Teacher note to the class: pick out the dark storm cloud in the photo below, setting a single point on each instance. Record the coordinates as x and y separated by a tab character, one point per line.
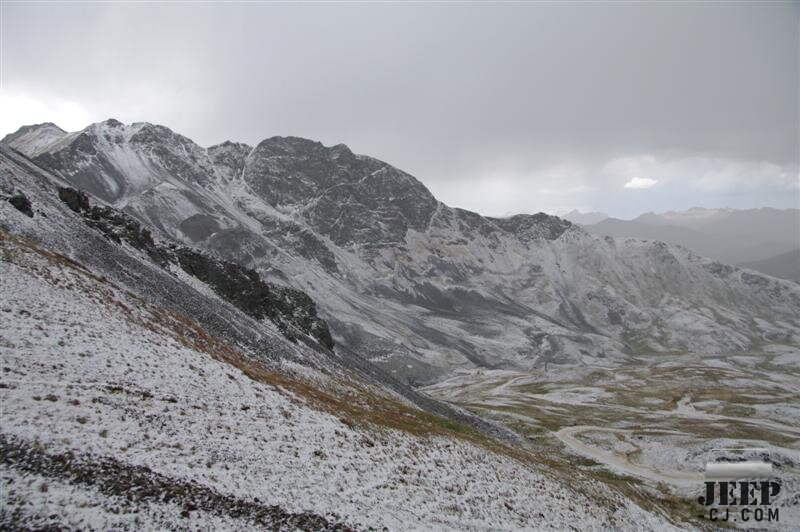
500	108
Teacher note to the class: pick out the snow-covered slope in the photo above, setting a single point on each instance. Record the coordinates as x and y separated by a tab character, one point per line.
274	324
143	385
120	414
412	284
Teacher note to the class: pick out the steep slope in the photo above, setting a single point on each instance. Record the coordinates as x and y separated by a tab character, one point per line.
114	405
274	325
120	413
414	285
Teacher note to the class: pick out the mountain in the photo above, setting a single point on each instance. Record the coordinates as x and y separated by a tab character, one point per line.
692	217
150	384
728	235
785	265
409	283
235	337
585	218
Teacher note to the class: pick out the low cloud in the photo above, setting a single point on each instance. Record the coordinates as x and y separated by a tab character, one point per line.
609	185
745	176
18	108
641	182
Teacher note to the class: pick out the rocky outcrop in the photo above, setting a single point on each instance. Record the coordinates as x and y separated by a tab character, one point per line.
291	310
530	227
21	202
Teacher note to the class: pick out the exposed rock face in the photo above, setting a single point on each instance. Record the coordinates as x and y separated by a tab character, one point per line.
229	158
530	228
350	199
412	284
291	310
74	199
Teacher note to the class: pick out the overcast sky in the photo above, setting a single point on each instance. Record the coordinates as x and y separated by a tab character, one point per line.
497	108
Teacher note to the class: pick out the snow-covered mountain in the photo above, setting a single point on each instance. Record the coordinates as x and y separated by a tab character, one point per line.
227	338
408	282
150	385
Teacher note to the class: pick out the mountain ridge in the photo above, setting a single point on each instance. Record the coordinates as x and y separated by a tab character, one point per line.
411	284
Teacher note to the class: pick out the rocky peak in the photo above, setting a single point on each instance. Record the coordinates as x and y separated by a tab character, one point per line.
229	158
352	199
113	161
113	122
290	146
231	146
147	133
30	140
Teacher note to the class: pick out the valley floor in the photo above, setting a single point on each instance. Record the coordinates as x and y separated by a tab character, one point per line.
647	428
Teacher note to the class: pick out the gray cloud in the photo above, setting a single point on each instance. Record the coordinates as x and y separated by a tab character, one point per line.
498	108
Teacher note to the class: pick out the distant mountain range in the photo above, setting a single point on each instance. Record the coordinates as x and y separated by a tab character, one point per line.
584	218
765	239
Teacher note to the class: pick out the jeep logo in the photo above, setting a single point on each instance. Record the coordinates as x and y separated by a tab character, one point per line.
741	493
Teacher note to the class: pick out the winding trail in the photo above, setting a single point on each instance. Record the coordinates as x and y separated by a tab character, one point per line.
568	435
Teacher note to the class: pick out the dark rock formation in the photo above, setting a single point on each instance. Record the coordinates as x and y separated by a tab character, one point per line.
22	204
530	227
75	200
291	310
